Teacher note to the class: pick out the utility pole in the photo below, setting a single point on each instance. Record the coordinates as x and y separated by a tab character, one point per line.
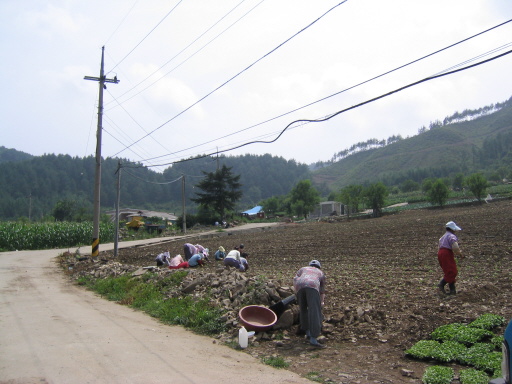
97	180
118	199
30	207
183	203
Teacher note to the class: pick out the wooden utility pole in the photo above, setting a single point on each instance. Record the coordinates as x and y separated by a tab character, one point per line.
97	180
118	200
183	203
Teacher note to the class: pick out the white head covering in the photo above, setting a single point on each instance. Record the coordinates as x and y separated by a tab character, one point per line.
453	226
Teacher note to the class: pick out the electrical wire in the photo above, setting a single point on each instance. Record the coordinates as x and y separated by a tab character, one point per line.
328	117
147	181
235	76
121	22
184	49
147	35
341	91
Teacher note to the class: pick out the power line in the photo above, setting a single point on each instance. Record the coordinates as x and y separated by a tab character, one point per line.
184	49
344	90
347	109
121	22
147	181
235	76
147	35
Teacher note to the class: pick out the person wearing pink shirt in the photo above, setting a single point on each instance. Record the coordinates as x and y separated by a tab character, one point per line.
448	249
309	285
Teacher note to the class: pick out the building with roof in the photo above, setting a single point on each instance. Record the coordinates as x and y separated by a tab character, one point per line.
127	214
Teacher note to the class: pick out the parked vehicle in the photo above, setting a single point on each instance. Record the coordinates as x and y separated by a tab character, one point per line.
506	364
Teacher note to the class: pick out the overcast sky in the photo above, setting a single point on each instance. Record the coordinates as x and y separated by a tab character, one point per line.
201	76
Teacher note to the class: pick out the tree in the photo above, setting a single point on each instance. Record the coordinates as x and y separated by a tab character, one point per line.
458	181
427	184
303	198
375	197
409	186
351	197
271	205
438	193
64	210
220	191
477	184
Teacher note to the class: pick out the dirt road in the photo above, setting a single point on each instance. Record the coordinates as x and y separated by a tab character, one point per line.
54	332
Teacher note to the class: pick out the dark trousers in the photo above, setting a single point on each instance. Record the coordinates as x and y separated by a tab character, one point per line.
310	311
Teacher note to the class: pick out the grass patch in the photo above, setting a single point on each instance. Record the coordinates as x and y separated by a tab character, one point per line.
198	315
314	376
276	362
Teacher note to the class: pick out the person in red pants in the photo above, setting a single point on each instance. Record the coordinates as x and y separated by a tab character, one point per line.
448	249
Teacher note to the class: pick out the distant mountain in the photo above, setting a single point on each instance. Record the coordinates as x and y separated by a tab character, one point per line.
472	144
8	154
467	142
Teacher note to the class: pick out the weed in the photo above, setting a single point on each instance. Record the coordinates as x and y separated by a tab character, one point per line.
314	376
276	362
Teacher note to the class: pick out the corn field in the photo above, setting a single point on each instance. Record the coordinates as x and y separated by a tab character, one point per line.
20	236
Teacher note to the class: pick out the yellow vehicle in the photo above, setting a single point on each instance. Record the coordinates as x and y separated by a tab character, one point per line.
135	223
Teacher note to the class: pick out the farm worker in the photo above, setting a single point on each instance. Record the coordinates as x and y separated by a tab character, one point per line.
309	285
163	259
203	250
191	249
196	260
448	248
242	252
233	259
220	254
176	260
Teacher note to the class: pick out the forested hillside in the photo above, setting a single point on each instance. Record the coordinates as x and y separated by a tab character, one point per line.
467	142
8	154
481	144
32	187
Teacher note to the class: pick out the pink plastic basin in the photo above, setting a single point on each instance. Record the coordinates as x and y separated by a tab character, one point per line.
257	318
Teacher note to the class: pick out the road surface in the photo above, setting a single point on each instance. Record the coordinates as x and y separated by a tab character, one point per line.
55	332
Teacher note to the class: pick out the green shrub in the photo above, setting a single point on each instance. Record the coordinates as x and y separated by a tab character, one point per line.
448	351
473	376
488	321
497	341
460	333
438	375
482	357
432	349
423	349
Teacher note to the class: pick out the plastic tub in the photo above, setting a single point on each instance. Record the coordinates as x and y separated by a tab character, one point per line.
257	318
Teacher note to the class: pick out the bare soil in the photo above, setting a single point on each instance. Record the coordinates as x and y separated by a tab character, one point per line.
385	270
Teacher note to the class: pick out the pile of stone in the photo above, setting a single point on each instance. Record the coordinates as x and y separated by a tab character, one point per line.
228	288
231	290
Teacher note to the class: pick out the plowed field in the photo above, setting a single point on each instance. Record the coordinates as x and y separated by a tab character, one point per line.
384	270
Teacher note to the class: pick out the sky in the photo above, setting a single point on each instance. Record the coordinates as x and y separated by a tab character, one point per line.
204	77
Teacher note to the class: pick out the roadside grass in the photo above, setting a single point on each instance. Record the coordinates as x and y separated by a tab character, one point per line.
314	376
199	316
276	362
